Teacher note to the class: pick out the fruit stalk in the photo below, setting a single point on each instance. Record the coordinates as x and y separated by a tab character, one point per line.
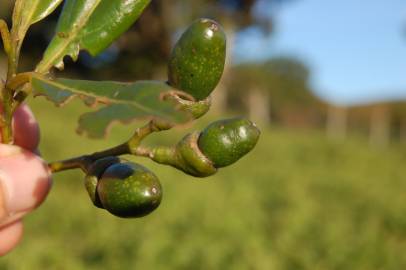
129	147
85	161
185	156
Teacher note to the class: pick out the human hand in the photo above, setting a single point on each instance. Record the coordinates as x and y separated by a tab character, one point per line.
24	179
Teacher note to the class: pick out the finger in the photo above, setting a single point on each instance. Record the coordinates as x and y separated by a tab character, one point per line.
24	182
25	128
10	236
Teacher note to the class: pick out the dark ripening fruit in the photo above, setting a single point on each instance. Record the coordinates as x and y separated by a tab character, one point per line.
226	141
197	60
94	173
129	190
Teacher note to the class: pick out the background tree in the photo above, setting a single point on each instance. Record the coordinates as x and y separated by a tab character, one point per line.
282	84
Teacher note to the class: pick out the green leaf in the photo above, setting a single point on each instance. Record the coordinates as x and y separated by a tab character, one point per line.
125	102
28	12
90	25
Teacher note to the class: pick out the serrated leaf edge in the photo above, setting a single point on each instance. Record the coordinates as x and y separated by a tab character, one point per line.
107	130
97	99
69	40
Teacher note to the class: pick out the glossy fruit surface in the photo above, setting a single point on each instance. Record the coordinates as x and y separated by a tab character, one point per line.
92	178
129	190
226	141
197	60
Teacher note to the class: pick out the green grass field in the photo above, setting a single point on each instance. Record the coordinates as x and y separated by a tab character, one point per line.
297	201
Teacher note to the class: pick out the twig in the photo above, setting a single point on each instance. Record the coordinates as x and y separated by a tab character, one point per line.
129	147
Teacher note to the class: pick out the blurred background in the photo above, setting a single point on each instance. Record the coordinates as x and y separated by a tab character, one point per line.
324	188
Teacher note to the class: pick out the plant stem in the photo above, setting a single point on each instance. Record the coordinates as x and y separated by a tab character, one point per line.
73	163
141	133
16	38
9	104
19	80
129	147
7	117
6	95
5	35
12	42
17	83
2	119
83	162
16	41
162	154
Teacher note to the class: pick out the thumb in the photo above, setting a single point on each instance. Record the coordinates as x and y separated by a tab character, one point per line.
24	183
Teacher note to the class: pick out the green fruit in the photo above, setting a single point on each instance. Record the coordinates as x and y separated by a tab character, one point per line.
193	161
129	190
226	141
197	60
92	177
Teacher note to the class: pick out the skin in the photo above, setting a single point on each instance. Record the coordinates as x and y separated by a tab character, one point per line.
197	60
226	141
21	191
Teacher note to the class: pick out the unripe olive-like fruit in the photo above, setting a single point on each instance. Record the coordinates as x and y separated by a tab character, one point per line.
194	161
129	190
197	60
226	141
95	171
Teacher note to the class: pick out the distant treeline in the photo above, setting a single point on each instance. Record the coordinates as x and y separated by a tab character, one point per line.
278	92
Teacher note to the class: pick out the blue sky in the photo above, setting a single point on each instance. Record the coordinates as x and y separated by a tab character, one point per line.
355	48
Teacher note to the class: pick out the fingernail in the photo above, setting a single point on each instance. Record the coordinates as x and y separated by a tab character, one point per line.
24	180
